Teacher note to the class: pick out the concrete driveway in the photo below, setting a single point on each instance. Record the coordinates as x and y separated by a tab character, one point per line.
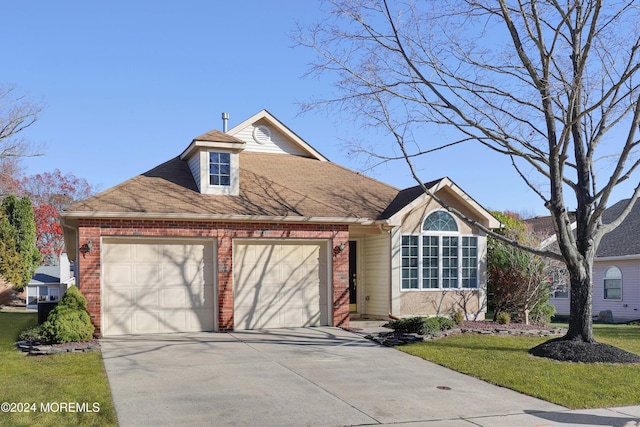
307	377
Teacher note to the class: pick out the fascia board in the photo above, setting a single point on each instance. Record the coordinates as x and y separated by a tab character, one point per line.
218	218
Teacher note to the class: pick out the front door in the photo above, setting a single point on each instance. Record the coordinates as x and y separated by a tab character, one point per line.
353	276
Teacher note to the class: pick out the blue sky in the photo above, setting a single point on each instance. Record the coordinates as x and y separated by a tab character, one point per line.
127	85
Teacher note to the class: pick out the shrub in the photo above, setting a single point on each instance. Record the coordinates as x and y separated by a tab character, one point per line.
411	325
430	326
458	317
542	315
422	325
446	323
31	334
504	318
69	321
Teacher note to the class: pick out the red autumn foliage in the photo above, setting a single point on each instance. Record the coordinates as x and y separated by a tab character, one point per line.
50	193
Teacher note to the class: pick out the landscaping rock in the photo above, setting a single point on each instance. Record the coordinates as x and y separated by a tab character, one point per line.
605	316
39	349
392	339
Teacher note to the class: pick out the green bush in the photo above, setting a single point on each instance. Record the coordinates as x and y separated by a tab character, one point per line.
422	325
31	334
69	321
542	314
504	318
430	326
446	323
410	325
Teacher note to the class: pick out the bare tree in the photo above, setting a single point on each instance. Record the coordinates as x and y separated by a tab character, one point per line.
17	113
551	85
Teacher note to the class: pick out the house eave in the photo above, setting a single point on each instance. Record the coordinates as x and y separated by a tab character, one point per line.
219	217
618	258
197	145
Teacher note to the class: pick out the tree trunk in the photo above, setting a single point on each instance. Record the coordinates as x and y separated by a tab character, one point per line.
581	321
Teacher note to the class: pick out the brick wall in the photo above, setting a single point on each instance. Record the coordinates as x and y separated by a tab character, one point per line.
224	232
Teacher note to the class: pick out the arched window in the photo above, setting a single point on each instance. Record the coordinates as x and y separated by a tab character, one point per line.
439	257
612	283
439	221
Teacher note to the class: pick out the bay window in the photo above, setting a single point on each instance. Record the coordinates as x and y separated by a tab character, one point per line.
440	257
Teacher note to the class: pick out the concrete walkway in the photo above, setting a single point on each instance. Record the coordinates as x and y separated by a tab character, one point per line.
311	377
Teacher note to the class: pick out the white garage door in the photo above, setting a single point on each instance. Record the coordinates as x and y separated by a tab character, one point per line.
280	284
153	286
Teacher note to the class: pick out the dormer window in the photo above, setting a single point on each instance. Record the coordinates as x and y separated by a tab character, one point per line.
219	168
214	161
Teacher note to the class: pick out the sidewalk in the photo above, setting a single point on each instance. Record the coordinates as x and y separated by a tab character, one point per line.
626	416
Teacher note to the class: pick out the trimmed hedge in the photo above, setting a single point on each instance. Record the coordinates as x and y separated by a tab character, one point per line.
69	321
422	325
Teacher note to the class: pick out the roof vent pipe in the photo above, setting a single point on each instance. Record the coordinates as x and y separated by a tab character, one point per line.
225	120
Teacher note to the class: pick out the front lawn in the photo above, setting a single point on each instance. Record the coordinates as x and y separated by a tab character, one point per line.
505	361
58	390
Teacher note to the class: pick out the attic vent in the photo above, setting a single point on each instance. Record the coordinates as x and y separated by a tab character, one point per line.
261	134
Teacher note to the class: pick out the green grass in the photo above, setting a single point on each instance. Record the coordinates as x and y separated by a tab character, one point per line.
50	380
505	361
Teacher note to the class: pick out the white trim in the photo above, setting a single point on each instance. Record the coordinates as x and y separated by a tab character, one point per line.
617	258
217	217
196	146
282	128
398	217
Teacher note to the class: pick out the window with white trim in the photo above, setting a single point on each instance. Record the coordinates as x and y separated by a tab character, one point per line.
440	257
612	283
219	168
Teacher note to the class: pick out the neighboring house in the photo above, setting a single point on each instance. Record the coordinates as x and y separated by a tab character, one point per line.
49	283
616	267
254	228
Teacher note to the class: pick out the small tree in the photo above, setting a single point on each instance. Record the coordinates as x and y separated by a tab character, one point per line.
516	278
69	321
19	256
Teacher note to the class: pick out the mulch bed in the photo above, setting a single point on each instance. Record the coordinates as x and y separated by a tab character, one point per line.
582	352
393	338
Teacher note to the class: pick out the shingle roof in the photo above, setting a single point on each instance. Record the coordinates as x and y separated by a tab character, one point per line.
625	239
270	185
46	274
404	197
217	136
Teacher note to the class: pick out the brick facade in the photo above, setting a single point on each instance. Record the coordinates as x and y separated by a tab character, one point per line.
92	230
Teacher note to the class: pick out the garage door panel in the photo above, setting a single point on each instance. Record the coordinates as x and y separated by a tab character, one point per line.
145	273
146	321
119	323
280	284
147	299
123	253
147	253
157	286
119	275
124	298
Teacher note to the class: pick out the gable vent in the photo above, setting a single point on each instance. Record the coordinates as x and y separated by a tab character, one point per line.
261	134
